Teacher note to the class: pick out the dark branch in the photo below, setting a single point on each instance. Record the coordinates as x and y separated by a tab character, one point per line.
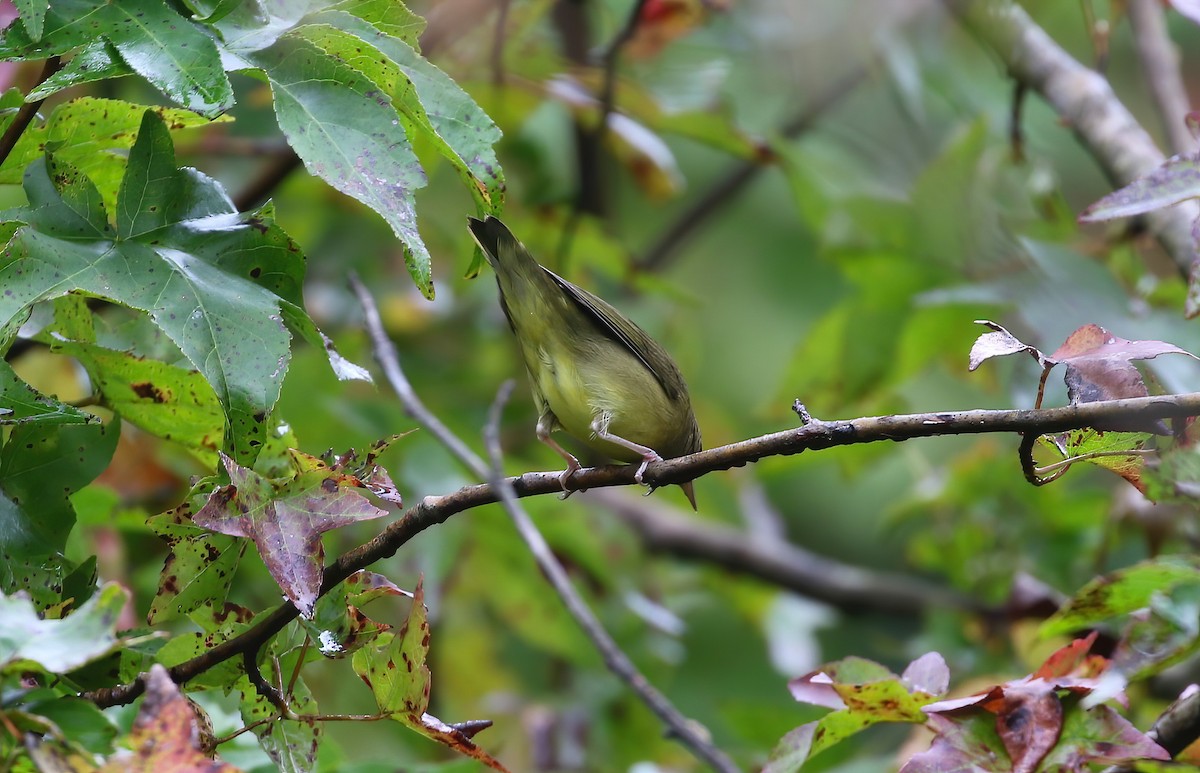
780	563
26	113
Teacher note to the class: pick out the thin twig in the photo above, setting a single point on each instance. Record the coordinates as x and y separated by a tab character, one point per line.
591	142
612	54
389	360
25	113
617	662
722	193
1160	69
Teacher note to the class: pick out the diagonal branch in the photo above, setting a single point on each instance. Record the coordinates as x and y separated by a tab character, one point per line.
615	660
1160	69
1086	102
781	563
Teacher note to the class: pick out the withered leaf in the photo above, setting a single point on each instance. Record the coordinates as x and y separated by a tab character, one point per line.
1099	364
285	518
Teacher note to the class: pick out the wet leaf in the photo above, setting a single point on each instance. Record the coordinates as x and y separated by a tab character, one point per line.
150	37
219	284
85	635
371	159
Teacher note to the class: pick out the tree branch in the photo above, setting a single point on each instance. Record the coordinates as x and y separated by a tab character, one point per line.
781	563
813	436
1084	99
25	114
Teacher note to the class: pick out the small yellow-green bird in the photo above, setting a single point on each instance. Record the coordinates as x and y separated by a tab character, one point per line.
594	373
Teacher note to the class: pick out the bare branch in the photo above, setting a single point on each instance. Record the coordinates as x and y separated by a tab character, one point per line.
1083	98
1160	68
780	562
814	436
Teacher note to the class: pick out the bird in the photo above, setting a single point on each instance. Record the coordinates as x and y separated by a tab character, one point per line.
594	373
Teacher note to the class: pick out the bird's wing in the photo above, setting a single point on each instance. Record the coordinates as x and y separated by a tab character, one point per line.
637	341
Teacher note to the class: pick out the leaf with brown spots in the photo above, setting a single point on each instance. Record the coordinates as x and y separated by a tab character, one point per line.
863	693
339	627
198	569
166	734
285	517
394	667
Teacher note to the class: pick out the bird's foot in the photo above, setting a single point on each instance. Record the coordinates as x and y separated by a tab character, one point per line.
649	456
565	477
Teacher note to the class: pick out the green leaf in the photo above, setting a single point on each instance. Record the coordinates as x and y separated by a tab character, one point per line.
437	109
79	720
389	17
66	24
1122	592
97	61
33	16
50	581
368	158
219	284
40	467
171	52
59	645
394	665
22	404
199	568
169	402
93	135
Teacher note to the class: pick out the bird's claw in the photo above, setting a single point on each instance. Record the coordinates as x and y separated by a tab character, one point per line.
646	460
565	477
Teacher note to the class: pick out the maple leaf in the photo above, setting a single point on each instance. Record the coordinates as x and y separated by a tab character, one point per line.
1033	725
166	734
285	517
